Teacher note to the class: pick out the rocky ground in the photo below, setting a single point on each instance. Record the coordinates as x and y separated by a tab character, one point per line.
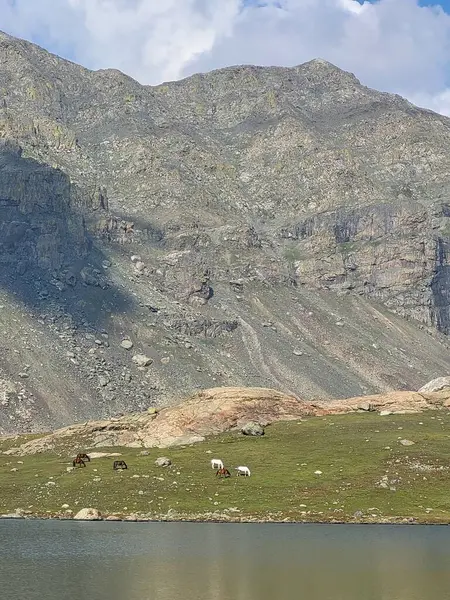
269	227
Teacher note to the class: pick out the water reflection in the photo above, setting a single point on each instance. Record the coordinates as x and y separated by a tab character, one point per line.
170	561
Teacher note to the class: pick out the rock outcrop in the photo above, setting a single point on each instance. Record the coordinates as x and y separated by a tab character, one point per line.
441	383
219	410
266	227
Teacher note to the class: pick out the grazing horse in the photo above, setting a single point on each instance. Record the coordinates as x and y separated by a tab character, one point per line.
243	471
216	463
223	473
84	457
119	464
78	461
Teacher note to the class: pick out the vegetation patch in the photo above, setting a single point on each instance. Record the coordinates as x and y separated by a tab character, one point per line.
357	467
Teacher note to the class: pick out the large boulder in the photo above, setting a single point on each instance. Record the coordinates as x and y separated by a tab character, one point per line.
141	360
88	514
163	461
252	428
436	385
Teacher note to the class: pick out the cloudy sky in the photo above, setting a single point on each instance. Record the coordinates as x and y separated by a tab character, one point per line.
400	46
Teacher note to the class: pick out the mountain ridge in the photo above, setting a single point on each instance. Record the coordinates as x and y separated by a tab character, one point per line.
264	226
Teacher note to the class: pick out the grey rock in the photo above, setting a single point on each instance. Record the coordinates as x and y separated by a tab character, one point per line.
436	385
88	514
103	380
163	461
407	442
127	344
252	428
141	360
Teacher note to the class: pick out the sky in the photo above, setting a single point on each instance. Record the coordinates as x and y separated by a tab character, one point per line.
400	46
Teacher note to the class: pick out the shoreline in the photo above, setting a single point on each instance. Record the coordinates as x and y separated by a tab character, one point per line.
217	520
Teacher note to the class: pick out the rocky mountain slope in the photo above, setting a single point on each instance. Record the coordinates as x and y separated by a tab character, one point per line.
251	226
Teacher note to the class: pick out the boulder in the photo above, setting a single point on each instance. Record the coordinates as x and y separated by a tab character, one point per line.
436	385
126	344
141	360
163	461
252	428
88	514
407	443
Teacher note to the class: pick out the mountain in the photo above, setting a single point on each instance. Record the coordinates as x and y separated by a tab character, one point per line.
269	227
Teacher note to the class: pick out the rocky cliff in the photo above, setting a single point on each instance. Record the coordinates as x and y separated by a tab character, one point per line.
272	227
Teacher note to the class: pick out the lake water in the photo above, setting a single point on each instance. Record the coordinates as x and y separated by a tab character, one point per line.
51	560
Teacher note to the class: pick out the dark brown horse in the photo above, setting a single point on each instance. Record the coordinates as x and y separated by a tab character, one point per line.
223	473
84	457
119	464
77	461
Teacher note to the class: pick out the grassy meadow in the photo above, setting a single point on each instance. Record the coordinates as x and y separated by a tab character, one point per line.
366	475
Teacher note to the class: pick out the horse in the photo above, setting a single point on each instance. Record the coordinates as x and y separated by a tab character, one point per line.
223	473
216	463
84	457
243	471
119	464
78	461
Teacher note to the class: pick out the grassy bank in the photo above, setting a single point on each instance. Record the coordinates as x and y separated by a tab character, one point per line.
365	470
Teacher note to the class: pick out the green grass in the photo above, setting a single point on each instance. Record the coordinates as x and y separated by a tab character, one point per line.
350	450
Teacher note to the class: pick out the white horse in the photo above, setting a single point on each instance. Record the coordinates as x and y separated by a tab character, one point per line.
216	463
243	471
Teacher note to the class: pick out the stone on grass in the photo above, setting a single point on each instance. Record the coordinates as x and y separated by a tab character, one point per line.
407	443
252	428
163	461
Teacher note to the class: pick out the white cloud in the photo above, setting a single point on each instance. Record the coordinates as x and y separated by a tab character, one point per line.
393	45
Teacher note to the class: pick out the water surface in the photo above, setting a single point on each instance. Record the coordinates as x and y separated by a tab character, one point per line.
51	560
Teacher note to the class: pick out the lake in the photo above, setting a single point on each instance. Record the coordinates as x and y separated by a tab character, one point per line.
70	560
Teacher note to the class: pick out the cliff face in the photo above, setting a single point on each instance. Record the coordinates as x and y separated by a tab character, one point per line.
273	227
38	228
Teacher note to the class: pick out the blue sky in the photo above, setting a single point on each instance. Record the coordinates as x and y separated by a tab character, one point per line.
400	46
445	4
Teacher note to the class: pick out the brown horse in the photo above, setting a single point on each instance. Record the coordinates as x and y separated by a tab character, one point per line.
119	464
78	461
223	472
84	457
